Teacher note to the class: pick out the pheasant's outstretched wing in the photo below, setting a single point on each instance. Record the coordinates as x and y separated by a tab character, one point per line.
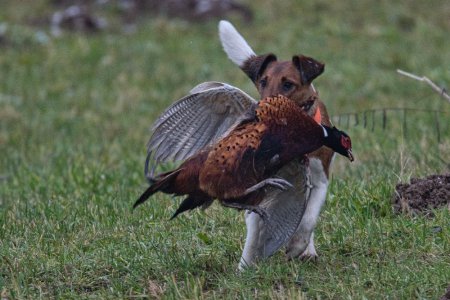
285	210
195	121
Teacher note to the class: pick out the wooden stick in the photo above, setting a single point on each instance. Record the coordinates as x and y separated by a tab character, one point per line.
435	87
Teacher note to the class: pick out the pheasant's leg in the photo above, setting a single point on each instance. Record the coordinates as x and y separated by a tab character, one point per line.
254	208
279	183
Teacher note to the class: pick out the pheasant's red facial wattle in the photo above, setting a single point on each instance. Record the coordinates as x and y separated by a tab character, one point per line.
346	142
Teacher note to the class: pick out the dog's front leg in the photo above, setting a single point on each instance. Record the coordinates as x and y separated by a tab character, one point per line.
252	249
302	243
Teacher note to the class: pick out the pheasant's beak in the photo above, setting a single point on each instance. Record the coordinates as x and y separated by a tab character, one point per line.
350	155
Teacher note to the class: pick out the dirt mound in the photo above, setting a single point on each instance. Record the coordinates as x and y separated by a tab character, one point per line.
422	194
447	295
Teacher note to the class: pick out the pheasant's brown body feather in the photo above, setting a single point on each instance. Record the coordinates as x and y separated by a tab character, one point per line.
280	132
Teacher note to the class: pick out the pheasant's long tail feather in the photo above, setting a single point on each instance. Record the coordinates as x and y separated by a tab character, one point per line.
161	184
190	203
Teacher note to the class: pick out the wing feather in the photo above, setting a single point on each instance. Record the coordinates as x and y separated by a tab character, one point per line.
195	121
285	210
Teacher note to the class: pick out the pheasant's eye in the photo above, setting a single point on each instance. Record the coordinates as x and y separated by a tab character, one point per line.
263	82
346	142
287	86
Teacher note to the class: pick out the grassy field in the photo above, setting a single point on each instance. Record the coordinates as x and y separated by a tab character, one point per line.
75	113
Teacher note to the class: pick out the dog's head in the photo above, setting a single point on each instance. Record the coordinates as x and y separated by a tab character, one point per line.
289	78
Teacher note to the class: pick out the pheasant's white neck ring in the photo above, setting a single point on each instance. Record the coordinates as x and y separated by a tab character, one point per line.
325	133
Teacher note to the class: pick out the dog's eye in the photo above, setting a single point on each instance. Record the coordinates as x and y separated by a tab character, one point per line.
287	86
263	83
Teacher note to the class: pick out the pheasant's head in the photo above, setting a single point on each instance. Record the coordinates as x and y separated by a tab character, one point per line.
339	141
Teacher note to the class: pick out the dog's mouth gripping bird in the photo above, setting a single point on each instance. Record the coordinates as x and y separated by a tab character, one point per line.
239	167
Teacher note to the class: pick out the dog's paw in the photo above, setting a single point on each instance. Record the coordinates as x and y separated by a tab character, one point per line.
310	253
306	256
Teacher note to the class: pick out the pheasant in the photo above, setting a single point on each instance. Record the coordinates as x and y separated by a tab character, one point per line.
237	168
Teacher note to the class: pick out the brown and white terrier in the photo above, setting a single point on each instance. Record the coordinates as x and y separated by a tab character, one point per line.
273	77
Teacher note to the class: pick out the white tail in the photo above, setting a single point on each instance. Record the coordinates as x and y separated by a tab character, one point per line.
234	44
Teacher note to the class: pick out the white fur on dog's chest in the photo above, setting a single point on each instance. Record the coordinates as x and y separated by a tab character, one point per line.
319	182
302	243
318	174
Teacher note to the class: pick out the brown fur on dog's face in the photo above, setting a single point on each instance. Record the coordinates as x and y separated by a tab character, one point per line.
288	78
283	78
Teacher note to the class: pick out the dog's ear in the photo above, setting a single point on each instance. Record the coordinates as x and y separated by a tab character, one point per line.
255	65
308	67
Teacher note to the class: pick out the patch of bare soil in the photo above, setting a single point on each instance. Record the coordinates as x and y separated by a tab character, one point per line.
447	295
422	195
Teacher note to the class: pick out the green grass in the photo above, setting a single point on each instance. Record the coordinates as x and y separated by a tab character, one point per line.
75	114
